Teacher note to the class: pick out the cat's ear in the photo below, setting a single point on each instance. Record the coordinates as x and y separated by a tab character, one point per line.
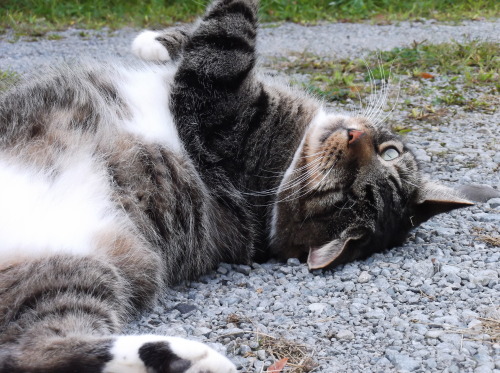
323	256
435	199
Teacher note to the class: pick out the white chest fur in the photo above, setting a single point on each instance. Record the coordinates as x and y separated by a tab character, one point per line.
146	93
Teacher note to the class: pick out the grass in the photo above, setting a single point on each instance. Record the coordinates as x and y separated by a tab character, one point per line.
40	16
461	67
7	78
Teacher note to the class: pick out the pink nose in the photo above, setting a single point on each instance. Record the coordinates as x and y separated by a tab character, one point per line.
354	135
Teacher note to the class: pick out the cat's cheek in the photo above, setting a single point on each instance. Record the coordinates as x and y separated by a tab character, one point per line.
146	47
140	354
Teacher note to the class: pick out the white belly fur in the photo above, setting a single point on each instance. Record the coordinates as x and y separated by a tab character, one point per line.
42	214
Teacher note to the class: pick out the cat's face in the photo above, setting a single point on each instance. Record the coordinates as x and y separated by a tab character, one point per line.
352	189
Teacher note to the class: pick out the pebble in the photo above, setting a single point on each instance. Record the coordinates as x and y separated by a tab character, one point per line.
494	203
402	361
345	335
317	307
364	277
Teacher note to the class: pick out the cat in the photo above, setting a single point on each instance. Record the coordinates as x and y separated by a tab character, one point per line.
118	181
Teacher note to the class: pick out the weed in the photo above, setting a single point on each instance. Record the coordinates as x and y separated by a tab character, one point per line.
453	98
401	129
299	359
492	240
428	113
7	79
54	37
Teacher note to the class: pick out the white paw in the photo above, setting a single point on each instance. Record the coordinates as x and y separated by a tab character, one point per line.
146	47
202	357
143	353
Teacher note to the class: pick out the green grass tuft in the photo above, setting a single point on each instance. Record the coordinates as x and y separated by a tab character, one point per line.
7	79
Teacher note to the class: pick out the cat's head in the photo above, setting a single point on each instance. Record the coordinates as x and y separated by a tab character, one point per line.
352	189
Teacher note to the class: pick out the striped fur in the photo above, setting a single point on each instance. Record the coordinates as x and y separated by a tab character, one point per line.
135	178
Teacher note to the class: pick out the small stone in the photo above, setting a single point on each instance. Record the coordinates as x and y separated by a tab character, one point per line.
293	262
258	365
483	277
402	361
202	331
345	334
184	308
376	314
431	363
453	339
261	354
349	286
434	334
449	270
222	270
487	218
474	324
234	332
423	269
494	203
317	307
233	300
364	277
242	268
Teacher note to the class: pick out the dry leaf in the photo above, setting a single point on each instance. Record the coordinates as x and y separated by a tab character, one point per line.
425	76
278	366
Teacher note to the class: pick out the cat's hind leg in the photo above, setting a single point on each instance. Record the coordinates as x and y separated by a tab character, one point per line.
64	313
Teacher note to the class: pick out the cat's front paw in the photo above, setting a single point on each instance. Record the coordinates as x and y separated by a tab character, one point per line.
144	353
147	47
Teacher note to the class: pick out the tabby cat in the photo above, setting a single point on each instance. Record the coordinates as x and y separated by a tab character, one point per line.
117	181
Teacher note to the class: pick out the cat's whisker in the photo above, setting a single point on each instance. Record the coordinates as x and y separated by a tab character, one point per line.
302	178
382	94
293	196
293	182
393	106
370	105
314	154
289	198
282	173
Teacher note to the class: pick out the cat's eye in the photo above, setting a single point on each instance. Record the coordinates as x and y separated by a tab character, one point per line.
390	154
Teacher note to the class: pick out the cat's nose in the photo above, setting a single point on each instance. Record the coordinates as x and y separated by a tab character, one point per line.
354	135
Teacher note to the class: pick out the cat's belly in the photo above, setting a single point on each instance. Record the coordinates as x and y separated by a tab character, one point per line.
44	213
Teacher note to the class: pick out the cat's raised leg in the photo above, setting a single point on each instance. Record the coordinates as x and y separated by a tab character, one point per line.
162	45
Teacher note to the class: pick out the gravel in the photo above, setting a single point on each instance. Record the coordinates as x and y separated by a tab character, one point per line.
416	308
